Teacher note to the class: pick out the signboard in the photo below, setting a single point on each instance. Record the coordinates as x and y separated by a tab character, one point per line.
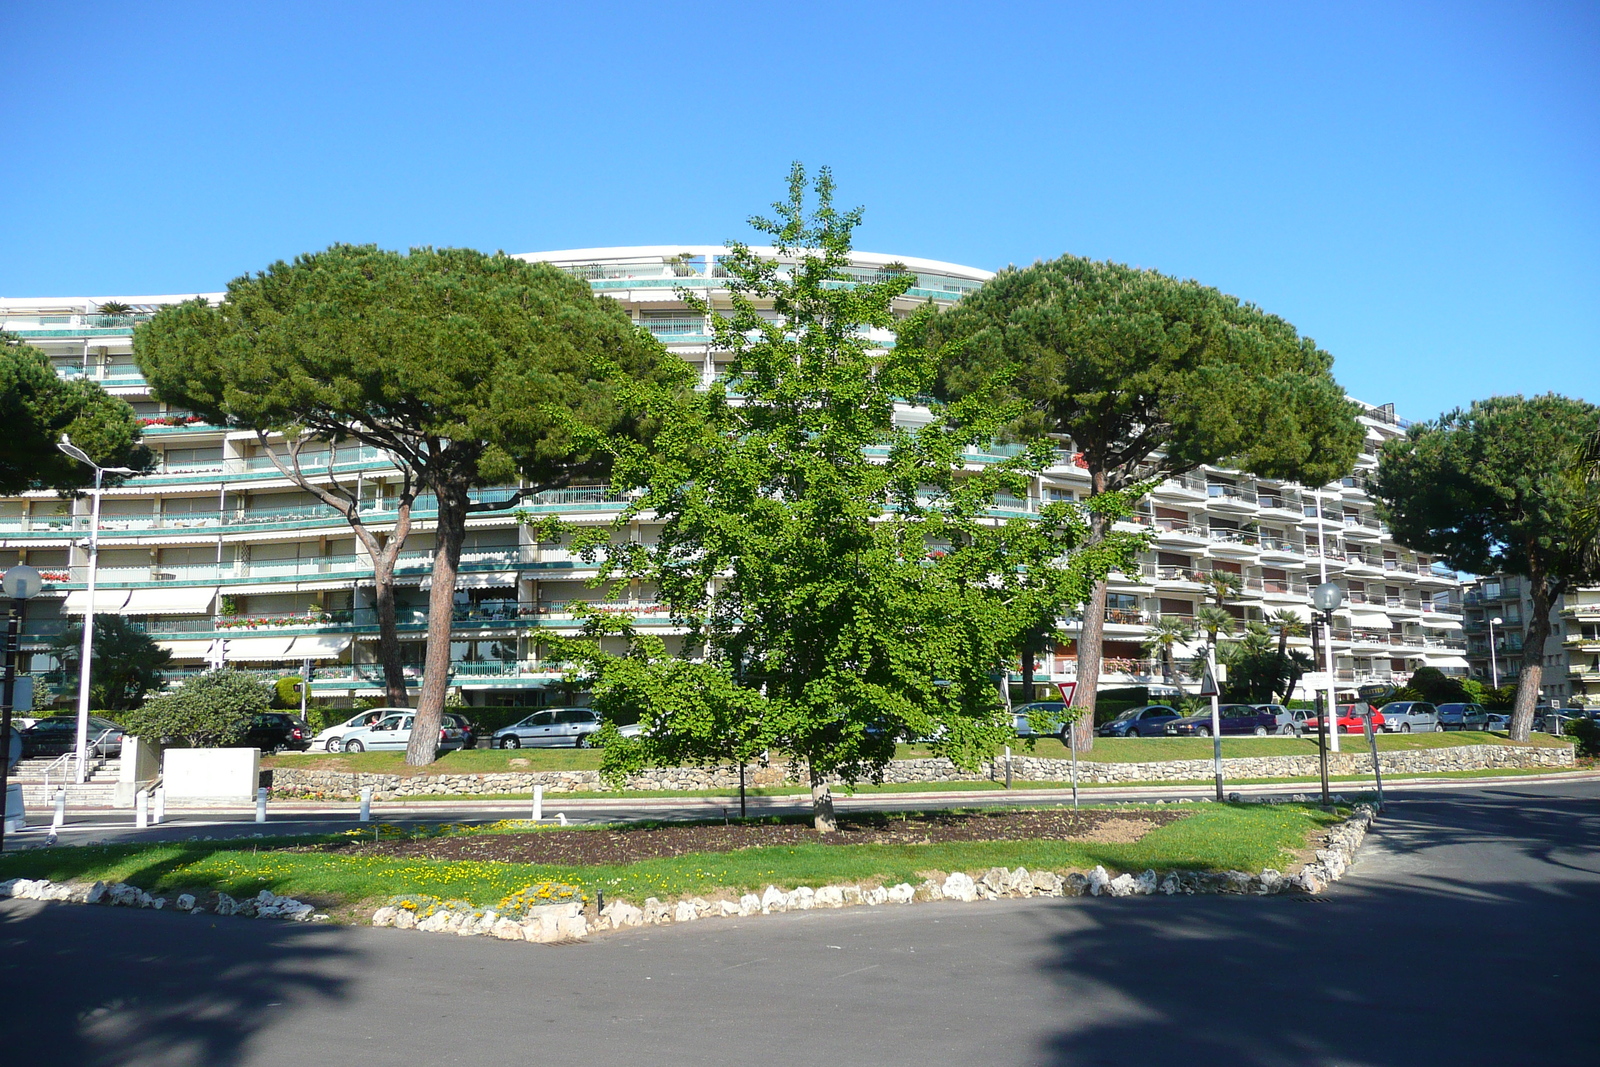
1208	684
1316	679
1068	689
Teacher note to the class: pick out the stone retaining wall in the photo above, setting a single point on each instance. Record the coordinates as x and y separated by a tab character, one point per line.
348	785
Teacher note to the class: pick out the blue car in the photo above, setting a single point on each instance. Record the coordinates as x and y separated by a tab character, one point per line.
1148	720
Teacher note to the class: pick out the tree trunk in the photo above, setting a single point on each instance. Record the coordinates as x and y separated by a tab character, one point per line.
1538	630
822	816
383	561
450	532
1091	637
1283	666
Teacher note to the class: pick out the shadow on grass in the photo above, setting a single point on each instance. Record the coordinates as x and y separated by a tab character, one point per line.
101	986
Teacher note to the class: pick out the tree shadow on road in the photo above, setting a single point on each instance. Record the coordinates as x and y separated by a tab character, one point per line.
101	986
1437	966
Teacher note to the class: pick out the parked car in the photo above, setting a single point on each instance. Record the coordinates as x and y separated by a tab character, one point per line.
1232	718
394	731
58	734
1350	720
274	730
1291	722
1410	717
1147	720
1498	722
1463	717
1546	717
553	727
468	728
1046	710
332	739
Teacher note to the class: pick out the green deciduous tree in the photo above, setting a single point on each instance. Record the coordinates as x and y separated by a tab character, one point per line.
843	582
37	407
1489	488
209	710
469	370
127	662
1147	376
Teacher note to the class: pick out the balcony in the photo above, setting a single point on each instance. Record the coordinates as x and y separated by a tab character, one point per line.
1231	499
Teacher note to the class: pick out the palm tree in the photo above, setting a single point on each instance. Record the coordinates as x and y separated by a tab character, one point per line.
1288	624
1212	620
1168	632
1222	586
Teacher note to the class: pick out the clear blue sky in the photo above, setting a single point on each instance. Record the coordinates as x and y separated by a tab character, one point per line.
1416	185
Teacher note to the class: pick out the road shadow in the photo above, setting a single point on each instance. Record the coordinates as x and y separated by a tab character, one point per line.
1423	963
99	986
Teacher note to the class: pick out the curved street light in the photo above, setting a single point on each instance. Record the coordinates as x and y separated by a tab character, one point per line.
74	452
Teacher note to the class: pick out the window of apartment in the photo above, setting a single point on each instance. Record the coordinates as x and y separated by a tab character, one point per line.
1122	601
187	556
1053	494
1174	559
1227	566
1170	606
1172	518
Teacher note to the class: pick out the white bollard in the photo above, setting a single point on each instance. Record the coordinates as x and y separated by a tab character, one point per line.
60	818
366	803
261	804
141	809
161	805
538	803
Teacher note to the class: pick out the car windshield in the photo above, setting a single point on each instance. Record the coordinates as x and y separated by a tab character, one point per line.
1452	707
1129	714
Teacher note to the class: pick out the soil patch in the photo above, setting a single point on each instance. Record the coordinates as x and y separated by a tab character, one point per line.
616	845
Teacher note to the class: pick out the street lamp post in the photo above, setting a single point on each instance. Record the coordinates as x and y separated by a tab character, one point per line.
1326	598
1494	661
21	583
72	450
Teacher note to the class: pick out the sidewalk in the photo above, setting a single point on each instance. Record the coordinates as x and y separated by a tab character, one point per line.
311	817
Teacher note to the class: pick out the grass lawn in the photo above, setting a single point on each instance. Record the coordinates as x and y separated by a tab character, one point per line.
1240	837
1106	750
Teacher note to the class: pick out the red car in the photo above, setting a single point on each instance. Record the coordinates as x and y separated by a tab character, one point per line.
1351	720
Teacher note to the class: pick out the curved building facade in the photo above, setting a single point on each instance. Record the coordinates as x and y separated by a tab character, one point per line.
216	545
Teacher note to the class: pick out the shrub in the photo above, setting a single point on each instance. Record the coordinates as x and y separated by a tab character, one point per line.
209	710
1586	734
286	692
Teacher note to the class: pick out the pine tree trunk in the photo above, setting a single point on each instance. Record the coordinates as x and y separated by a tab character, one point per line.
1091	636
1532	657
394	674
449	534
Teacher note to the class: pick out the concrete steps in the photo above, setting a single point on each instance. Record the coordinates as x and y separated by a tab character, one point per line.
38	795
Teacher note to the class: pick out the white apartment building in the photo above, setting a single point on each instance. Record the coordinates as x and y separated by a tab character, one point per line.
217	544
1499	605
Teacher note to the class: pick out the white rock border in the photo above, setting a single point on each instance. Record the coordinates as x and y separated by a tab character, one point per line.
565	922
264	905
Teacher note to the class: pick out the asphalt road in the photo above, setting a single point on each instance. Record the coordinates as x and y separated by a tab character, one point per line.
1466	934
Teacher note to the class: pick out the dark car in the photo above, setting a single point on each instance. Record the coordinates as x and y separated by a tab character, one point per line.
1048	712
1463	717
1233	718
1148	720
58	735
272	731
467	727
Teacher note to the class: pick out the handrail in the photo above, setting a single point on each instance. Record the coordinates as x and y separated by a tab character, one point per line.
90	751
